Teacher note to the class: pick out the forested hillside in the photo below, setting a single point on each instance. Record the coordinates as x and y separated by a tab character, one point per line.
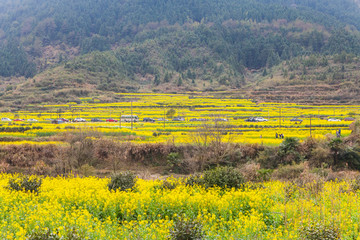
162	45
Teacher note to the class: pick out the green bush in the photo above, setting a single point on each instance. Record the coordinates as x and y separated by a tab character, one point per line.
344	155
268	158
24	183
289	172
320	231
321	172
86	170
71	234
173	161
176	164
186	230
224	177
319	156
168	184
122	181
43	235
193	180
264	174
355	184
45	134
289	151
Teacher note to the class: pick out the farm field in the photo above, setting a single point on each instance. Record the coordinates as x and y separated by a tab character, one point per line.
224	115
84	208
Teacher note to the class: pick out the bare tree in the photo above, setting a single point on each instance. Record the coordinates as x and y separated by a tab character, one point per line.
112	152
214	142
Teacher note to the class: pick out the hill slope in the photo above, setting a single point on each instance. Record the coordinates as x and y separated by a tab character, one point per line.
57	47
312	79
55	30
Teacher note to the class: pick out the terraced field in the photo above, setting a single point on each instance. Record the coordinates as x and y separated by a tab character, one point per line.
204	117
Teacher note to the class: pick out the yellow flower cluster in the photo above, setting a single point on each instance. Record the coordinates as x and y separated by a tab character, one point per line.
86	208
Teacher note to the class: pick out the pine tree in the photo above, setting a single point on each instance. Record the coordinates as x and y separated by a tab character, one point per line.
157	80
167	77
273	59
180	81
189	74
264	72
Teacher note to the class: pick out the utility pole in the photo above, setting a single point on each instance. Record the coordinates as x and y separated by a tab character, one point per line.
280	119
310	126
164	117
132	120
120	120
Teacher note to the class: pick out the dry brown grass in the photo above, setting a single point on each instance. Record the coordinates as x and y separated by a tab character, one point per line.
250	171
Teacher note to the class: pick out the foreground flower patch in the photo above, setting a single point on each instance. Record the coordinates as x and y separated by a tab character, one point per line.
85	208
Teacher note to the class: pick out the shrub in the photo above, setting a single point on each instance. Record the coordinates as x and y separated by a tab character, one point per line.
173	161
343	155
320	230
351	157
86	170
169	183
47	234
289	151
122	181
176	164
24	183
193	180
264	174
319	156
321	172
250	151
151	154
308	146
41	168
290	190
43	235
355	127
224	177
355	184
268	158
4	167
186	230
250	171
82	152
289	172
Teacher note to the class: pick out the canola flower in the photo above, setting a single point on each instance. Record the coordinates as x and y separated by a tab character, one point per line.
85	207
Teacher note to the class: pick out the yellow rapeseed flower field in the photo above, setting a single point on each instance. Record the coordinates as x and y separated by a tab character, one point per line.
227	114
84	207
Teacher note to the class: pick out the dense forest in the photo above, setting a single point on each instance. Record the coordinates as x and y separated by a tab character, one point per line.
113	44
14	61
